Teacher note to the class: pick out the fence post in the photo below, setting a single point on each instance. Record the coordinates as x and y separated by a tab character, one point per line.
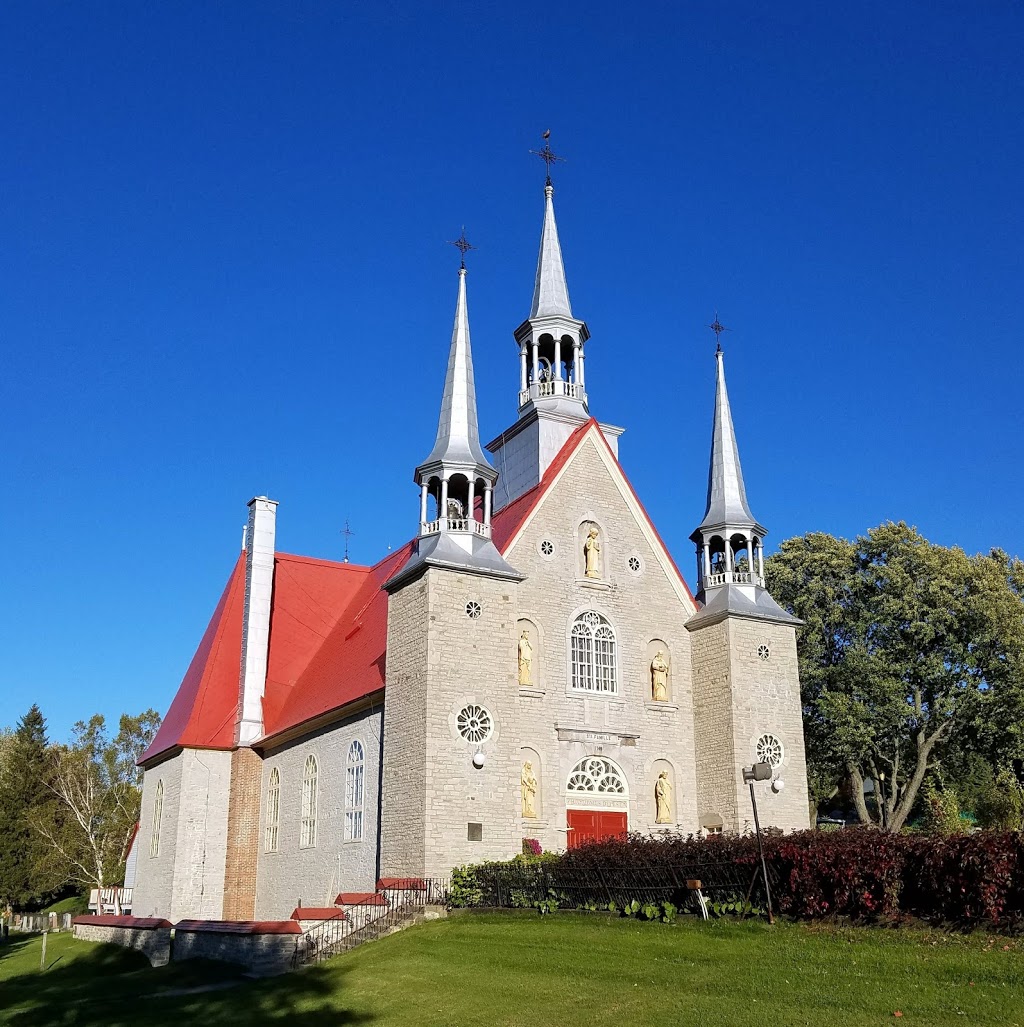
42	954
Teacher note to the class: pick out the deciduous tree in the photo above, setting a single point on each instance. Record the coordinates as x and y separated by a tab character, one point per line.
909	648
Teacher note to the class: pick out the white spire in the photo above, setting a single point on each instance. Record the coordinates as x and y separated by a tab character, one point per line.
727	496
550	293
458	437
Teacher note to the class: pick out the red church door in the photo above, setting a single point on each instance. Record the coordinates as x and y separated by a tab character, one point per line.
586	825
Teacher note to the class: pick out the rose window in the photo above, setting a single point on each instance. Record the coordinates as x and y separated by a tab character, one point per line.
475	724
547	547
634	564
764	652
596	774
769	750
472	610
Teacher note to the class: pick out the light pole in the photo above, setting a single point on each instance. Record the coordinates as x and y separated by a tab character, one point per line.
881	789
760	772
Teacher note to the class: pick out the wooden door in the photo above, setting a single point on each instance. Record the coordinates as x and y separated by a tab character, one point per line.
592	825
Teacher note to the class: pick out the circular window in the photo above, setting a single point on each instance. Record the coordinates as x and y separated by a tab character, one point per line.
769	750
546	548
474	723
473	610
764	652
634	564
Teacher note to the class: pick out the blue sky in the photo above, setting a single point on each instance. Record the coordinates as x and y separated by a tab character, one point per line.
224	273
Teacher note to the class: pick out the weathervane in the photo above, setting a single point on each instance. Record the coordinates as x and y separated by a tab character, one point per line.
348	533
717	327
547	154
462	244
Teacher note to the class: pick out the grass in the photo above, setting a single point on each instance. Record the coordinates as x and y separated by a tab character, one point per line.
565	970
72	904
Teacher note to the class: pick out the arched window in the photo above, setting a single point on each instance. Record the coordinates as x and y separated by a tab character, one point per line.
596	774
158	815
273	810
354	792
307	834
593	654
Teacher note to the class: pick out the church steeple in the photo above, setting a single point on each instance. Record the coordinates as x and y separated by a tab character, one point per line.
551	340
457	474
729	538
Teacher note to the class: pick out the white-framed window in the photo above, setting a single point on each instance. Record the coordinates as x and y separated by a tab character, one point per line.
769	750
158	816
273	811
593	654
596	774
307	833
474	723
354	775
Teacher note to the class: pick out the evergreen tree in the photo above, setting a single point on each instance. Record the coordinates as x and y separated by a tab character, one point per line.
23	794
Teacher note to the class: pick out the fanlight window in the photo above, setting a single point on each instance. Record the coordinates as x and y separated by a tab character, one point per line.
596	774
273	810
354	792
307	834
593	654
158	815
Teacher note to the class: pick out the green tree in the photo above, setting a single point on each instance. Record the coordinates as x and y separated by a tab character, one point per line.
95	783
23	798
910	649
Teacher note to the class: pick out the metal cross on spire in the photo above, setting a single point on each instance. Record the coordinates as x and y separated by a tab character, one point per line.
348	533
462	244
547	154
717	327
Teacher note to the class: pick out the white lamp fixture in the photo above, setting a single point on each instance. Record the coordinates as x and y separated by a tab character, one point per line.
479	759
778	785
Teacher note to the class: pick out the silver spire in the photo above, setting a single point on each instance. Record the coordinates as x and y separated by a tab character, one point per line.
550	293
727	496
458	437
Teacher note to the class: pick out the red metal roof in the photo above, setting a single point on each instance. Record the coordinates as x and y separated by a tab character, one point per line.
357	898
318	913
328	635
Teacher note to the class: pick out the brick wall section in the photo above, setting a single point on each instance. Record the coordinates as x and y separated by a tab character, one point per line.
243	833
402	828
641	608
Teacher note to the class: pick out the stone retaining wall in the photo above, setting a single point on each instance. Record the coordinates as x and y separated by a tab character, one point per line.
264	949
148	935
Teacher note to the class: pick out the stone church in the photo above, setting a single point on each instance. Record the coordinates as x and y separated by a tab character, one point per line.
532	665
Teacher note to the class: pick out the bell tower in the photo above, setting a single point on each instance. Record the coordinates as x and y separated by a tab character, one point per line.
552	394
746	683
450	749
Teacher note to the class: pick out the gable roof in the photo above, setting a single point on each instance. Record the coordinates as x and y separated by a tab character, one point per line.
328	628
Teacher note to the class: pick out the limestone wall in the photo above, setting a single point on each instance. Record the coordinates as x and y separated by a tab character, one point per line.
314	875
647	609
263	949
150	936
154	874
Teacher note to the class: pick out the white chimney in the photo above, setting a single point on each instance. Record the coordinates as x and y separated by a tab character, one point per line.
259	589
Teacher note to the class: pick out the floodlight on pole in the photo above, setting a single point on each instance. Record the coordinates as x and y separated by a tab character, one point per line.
760	772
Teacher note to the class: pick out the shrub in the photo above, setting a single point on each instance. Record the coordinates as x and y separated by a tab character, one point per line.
1000	806
941	811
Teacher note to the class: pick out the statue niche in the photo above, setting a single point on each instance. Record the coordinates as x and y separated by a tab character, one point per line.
592	553
659	677
663	799
528	784
525	659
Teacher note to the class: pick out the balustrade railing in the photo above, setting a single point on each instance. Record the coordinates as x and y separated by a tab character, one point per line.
551	387
467	524
734	577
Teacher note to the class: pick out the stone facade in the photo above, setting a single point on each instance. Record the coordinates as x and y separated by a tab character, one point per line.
151	937
313	875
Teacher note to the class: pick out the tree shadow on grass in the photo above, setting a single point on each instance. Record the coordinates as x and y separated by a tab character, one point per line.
105	988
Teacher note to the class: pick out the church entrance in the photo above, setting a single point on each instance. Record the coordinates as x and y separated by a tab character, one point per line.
593	825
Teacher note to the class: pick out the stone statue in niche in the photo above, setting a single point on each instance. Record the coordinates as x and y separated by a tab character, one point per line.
592	554
659	677
528	781
663	799
525	659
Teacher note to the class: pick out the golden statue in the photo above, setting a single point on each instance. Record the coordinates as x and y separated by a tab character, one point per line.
525	658
592	554
663	799
528	780
659	677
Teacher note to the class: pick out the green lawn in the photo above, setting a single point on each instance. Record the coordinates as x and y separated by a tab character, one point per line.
564	970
